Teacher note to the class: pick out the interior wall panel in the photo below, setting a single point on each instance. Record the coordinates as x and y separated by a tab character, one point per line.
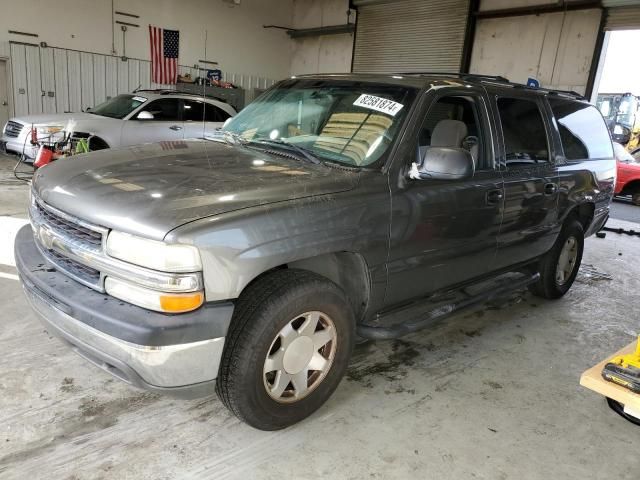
62	80
99	80
555	48
34	84
48	80
19	79
75	83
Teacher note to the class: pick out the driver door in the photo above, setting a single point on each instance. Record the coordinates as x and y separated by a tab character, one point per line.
166	124
444	232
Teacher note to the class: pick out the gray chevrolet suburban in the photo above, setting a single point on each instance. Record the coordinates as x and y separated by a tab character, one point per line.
333	208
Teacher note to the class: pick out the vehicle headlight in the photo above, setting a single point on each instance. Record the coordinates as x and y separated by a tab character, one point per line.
49	129
153	254
153	299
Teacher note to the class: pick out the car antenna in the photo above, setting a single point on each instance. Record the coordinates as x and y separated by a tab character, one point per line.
137	88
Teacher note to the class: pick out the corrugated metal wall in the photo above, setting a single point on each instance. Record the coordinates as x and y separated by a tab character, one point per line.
56	80
623	18
409	35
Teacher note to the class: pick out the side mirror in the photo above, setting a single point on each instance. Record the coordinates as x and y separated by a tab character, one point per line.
443	163
144	115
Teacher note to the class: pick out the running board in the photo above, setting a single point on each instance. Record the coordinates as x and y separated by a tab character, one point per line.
371	332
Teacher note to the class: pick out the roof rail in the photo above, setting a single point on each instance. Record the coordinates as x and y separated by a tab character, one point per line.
499	80
458	74
168	91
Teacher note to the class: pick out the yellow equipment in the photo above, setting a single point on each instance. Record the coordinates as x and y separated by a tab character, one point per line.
624	370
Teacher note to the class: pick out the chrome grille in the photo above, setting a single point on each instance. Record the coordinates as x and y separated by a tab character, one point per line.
13	129
77	232
75	269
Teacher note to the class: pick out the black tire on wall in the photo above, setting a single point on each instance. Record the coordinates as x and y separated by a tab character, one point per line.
283	320
565	255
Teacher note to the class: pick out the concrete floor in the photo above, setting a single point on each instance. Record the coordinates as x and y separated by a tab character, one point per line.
493	394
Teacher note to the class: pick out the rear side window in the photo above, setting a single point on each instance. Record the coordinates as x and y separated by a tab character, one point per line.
525	137
215	114
165	110
583	132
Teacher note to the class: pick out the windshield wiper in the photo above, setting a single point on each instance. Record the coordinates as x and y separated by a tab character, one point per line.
306	153
228	137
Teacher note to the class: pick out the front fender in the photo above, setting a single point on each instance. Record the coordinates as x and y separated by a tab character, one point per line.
238	246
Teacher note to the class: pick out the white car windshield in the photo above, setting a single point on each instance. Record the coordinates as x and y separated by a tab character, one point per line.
349	122
119	106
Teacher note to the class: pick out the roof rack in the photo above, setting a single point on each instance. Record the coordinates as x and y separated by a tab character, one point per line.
499	80
168	91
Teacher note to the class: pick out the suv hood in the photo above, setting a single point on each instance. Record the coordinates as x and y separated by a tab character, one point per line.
58	118
151	189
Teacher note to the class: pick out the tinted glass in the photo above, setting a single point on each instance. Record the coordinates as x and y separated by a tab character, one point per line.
525	138
215	114
165	109
119	107
582	130
193	111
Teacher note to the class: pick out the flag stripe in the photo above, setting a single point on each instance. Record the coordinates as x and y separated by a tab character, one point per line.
164	46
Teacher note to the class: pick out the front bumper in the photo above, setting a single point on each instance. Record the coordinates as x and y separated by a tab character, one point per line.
19	145
177	355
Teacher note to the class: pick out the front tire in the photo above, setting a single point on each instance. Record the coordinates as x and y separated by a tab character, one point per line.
287	349
559	267
635	199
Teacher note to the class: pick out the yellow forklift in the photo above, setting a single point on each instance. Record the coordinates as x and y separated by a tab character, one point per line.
620	111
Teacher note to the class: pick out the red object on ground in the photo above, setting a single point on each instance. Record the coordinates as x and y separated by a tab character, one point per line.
43	158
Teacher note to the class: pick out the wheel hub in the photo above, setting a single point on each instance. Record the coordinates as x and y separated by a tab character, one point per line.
567	261
297	355
300	357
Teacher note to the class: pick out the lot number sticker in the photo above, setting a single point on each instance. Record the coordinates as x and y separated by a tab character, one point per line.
379	104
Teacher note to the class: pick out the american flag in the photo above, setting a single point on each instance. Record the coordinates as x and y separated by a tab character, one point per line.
165	45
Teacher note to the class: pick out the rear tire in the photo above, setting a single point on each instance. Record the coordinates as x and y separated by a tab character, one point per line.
635	199
287	349
559	267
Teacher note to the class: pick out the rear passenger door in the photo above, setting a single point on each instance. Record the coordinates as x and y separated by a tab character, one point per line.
166	123
202	118
530	179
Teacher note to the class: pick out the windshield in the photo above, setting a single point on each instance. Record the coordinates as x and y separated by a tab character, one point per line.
119	106
353	123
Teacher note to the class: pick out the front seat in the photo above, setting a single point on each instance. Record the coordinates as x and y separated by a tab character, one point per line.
446	133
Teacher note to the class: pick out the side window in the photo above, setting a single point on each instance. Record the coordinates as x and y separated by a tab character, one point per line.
165	110
193	111
583	132
525	138
454	122
215	114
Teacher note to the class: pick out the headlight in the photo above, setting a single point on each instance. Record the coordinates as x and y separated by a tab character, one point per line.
153	299
153	254
49	129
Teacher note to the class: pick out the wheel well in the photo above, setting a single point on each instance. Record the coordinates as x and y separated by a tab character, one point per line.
346	269
584	214
631	187
95	142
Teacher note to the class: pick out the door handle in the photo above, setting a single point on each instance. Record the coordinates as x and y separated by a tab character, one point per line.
494	196
550	188
4	103
175	127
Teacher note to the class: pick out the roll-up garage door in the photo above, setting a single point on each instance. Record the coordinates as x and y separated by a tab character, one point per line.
622	17
410	35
